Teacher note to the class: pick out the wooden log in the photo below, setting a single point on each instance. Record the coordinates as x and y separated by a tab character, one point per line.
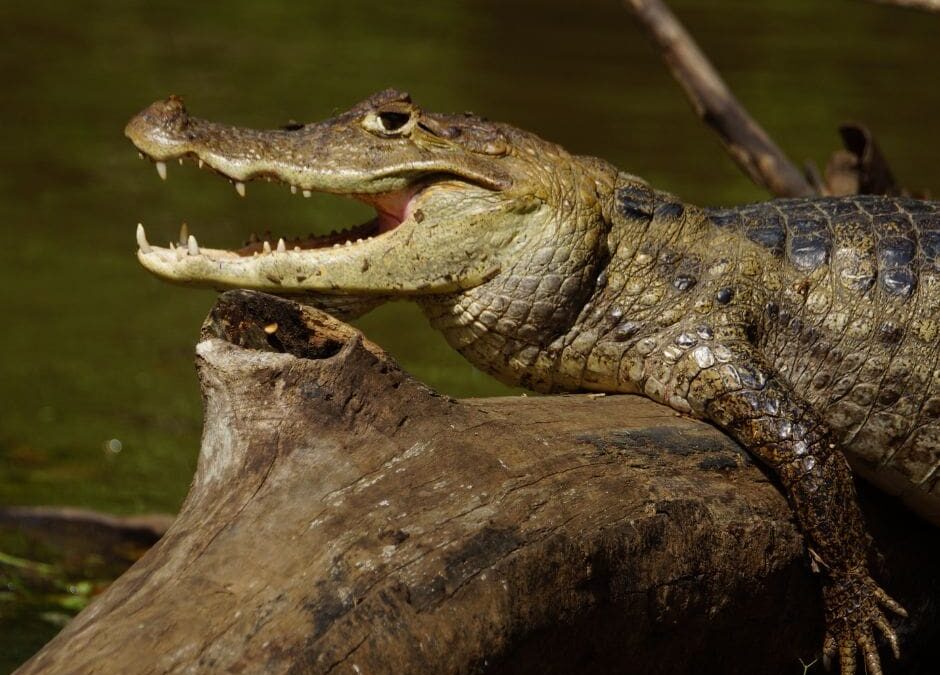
344	518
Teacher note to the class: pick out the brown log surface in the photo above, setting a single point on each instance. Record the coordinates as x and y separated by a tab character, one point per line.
344	518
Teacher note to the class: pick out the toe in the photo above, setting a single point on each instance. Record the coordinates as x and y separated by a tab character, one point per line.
889	634
847	657
889	602
830	650
870	652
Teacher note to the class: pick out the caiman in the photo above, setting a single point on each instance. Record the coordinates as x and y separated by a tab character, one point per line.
807	329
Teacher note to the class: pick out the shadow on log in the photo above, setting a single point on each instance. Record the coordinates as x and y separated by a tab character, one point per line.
344	518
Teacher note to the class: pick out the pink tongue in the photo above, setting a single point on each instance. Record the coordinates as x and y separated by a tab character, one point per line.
387	222
393	207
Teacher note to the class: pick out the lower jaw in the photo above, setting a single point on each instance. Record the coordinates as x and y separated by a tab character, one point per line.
386	220
335	239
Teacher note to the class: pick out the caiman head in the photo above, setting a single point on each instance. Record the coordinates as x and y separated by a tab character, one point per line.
459	202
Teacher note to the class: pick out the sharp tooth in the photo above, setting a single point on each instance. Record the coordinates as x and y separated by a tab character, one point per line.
201	163
192	245
161	169
307	193
142	243
140	154
240	188
293	189
181	161
184	234
348	243
266	247
281	246
172	246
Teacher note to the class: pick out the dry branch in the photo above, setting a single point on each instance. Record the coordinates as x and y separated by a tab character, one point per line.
860	168
67	523
745	140
926	5
346	519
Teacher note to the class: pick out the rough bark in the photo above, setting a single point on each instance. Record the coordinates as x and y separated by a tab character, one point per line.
344	518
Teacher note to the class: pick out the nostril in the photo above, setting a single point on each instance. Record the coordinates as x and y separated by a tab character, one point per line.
171	111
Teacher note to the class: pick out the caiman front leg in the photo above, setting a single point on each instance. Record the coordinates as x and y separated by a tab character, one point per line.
718	375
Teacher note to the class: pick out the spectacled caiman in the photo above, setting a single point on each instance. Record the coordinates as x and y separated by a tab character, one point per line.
807	329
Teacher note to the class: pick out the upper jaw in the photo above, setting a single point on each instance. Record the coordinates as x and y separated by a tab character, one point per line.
335	156
301	158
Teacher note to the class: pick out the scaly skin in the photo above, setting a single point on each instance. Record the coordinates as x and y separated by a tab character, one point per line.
805	329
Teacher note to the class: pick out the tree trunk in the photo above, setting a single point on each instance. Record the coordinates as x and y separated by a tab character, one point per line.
344	518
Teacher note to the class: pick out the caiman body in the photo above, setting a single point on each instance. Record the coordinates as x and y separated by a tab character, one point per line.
801	327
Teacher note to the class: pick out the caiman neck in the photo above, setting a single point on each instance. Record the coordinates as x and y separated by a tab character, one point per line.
517	325
646	220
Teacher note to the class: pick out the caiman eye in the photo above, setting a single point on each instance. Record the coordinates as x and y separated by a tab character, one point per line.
389	122
393	121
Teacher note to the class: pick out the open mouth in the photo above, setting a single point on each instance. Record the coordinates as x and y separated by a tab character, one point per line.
392	209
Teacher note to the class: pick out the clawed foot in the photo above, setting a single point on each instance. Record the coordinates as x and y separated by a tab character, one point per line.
853	607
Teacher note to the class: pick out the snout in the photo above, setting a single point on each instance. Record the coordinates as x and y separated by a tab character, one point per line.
161	130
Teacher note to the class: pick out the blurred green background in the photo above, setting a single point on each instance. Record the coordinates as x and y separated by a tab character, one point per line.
100	403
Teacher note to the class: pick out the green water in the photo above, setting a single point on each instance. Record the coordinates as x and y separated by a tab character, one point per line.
95	350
